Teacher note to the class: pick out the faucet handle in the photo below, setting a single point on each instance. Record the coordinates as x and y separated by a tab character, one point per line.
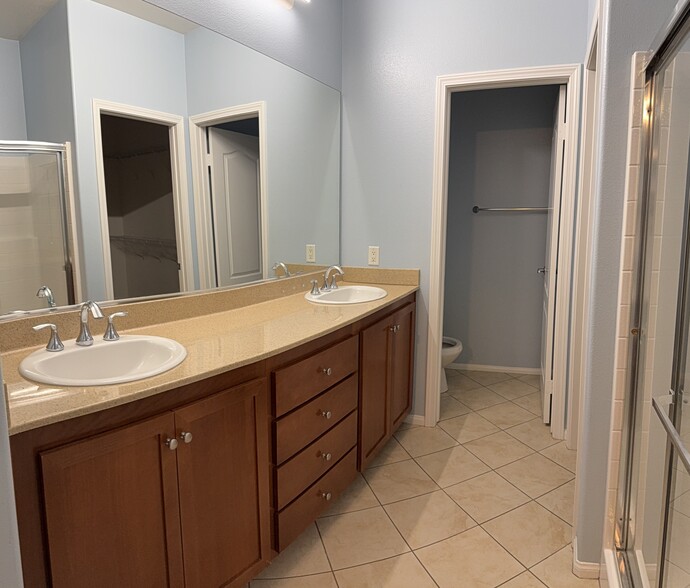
110	332
315	288
334	284
54	343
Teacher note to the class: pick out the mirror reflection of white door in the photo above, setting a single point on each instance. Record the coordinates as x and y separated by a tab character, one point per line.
550	270
234	178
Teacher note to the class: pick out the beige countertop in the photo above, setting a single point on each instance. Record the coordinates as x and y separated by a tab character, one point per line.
215	343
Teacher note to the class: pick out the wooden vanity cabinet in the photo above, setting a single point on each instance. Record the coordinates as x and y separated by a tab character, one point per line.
314	402
386	368
107	499
180	499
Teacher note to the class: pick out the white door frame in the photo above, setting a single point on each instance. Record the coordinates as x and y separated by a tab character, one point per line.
75	253
202	207
445	86
583	245
178	169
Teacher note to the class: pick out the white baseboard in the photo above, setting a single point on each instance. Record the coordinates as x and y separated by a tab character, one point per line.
494	368
415	419
584	569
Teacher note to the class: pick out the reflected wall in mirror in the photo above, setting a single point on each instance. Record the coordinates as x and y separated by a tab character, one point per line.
81	53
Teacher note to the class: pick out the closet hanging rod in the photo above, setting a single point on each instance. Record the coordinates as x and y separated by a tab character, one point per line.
477	209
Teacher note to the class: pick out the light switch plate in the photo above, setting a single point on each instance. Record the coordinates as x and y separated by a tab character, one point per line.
311	254
373	258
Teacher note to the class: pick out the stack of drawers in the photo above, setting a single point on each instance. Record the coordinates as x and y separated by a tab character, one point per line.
315	436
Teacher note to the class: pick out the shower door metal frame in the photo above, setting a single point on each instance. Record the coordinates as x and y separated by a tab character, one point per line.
663	50
61	151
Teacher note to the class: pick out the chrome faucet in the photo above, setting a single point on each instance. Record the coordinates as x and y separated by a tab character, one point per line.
46	292
278	264
85	339
333	285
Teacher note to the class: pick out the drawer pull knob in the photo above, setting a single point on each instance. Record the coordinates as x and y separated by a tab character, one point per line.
325	456
186	437
327	371
327	414
171	443
326	496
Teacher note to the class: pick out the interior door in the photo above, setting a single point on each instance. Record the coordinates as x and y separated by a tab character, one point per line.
235	198
550	269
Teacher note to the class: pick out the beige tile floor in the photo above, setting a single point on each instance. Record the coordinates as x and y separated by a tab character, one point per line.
484	499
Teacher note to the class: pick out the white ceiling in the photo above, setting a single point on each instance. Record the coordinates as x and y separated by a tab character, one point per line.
18	16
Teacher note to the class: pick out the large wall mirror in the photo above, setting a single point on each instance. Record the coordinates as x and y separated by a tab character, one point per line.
196	161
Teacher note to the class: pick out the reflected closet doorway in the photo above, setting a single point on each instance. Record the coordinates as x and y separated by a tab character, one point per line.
142	186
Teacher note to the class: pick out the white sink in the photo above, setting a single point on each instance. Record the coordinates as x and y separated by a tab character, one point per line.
348	295
132	357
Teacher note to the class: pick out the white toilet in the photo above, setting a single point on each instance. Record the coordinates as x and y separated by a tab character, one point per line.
450	351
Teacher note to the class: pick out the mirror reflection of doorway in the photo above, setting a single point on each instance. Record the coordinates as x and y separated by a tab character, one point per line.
228	154
234	179
141	211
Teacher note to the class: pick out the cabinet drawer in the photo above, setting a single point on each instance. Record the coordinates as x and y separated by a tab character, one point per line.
303	511
301	427
303	380
311	463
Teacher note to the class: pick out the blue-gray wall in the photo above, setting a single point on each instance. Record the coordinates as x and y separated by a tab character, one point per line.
302	143
308	37
12	116
120	58
10	563
624	27
500	156
393	50
46	73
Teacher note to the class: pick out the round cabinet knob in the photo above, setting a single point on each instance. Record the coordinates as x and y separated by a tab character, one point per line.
392	329
326	496
325	455
186	437
327	414
171	443
327	371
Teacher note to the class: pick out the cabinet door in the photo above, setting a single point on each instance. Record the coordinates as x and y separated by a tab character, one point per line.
112	513
402	350
373	400
223	480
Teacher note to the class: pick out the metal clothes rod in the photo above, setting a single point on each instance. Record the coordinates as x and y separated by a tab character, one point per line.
477	209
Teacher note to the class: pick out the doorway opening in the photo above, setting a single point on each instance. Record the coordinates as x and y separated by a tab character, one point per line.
228	163
142	185
561	231
502	230
141	211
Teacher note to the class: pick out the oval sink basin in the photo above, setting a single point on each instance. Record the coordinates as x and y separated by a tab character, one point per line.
348	295
132	357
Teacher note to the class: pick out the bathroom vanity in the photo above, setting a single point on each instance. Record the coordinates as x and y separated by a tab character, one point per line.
204	482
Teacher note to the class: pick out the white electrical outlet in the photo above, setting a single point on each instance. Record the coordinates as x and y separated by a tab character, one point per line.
373	255
311	254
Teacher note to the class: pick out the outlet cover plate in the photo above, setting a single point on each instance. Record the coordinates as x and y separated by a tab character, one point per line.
311	253
373	258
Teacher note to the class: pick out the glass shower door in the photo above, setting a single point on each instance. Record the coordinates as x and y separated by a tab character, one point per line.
653	531
34	249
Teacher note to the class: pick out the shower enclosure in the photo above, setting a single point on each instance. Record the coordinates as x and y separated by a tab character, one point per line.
34	231
653	508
